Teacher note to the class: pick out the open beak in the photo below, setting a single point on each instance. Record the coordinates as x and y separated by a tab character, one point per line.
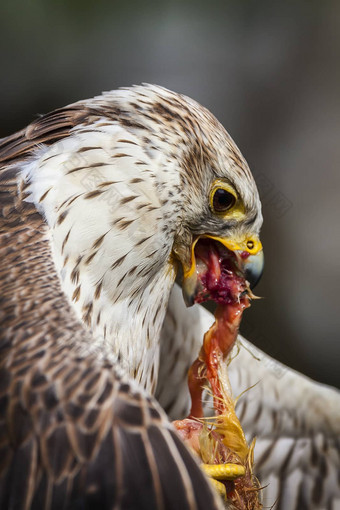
248	262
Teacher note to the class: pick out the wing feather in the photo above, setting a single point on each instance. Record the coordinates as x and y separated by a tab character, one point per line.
47	129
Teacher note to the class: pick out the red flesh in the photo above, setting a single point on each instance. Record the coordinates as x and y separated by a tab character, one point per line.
218	342
221	280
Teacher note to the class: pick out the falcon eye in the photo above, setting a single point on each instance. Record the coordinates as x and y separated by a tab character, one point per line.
222	200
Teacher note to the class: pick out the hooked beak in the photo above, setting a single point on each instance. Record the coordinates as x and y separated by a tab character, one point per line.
253	268
249	261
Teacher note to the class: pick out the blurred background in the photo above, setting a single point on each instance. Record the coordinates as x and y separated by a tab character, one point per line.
270	72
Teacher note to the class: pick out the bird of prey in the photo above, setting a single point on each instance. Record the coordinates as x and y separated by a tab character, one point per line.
101	202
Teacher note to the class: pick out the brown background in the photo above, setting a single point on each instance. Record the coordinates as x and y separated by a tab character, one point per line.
270	72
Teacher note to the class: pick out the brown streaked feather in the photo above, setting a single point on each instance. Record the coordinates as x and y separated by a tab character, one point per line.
47	129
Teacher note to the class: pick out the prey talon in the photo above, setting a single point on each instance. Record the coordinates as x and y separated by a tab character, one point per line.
223	471
220	487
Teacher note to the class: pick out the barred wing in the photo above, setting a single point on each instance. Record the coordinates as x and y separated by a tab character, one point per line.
80	437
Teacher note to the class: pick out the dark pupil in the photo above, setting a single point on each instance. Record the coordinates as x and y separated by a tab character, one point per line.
223	200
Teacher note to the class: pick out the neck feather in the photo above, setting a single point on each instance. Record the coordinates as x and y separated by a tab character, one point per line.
112	232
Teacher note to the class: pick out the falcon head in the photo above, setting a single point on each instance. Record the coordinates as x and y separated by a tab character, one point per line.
218	241
133	184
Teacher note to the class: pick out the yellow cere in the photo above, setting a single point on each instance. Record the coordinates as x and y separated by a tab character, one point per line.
251	244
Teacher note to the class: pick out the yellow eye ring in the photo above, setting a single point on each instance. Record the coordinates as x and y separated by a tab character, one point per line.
222	198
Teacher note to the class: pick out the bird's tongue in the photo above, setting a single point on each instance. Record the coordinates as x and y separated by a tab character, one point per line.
219	276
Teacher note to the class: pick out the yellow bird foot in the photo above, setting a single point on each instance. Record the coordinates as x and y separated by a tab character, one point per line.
222	472
220	487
